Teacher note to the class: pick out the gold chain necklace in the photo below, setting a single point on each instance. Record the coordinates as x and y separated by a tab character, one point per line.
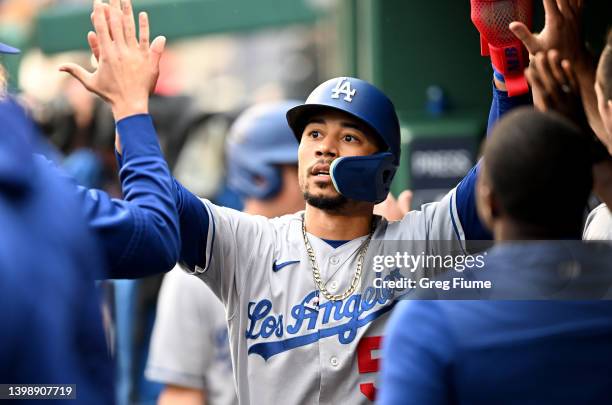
316	274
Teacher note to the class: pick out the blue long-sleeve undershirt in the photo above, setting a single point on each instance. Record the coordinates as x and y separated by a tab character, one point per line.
139	235
466	190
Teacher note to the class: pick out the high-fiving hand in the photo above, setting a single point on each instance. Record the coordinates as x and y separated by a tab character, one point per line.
562	30
128	67
555	86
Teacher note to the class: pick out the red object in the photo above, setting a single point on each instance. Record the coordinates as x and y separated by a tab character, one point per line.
368	364
508	55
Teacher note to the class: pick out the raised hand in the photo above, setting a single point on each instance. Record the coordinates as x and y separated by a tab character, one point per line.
562	30
157	46
128	67
555	86
392	209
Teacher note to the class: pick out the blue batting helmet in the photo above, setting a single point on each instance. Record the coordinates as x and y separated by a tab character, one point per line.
363	178
259	141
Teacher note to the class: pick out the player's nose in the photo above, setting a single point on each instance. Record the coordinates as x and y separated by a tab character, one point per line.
327	147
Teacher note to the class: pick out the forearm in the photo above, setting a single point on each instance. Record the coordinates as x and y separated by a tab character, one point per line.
140	236
465	195
194	222
502	104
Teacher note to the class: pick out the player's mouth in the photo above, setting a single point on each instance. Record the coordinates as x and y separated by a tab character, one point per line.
320	172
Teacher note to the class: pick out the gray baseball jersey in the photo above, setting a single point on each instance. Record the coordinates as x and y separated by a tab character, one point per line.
190	345
289	344
599	224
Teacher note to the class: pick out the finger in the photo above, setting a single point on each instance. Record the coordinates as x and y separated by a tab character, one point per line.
143	21
116	24
107	17
540	99
577	6
530	41
553	88
92	40
551	12
570	74
554	61
404	201
129	27
564	8
388	209
101	27
544	72
157	48
76	71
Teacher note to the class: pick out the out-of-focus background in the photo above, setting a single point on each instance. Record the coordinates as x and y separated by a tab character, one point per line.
225	55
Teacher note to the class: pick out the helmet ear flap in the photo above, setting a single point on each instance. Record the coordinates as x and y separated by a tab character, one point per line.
261	182
354	176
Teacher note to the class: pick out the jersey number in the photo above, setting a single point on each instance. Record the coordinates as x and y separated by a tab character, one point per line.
367	364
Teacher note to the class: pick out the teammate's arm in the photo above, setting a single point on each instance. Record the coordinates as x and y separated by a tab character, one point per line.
140	236
465	194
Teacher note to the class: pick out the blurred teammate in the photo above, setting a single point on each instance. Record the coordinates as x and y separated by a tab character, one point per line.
57	238
48	257
509	352
564	79
261	155
599	223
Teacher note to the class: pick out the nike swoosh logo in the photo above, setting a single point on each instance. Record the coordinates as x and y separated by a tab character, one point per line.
276	267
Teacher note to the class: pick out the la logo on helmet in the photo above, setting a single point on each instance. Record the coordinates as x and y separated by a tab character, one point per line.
343	86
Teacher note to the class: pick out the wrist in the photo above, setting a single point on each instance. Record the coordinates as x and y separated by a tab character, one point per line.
124	109
499	85
499	80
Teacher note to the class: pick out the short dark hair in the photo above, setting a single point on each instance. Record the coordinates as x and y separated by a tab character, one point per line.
604	71
540	168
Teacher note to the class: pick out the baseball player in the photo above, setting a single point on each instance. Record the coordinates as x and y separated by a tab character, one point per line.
564	79
528	338
57	238
48	257
599	223
305	321
261	155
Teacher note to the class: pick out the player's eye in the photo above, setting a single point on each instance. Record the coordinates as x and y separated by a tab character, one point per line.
315	134
350	138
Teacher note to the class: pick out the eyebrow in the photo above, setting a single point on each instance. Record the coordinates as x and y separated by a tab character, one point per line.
344	124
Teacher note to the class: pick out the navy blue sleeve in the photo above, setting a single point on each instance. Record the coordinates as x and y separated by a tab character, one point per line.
416	357
194	221
502	103
466	190
139	235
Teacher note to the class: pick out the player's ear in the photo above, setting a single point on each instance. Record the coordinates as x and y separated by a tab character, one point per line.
487	205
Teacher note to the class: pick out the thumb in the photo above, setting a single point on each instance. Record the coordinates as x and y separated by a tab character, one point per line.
521	31
157	48
404	201
94	45
78	73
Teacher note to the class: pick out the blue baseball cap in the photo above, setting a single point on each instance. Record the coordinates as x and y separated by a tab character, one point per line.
8	49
